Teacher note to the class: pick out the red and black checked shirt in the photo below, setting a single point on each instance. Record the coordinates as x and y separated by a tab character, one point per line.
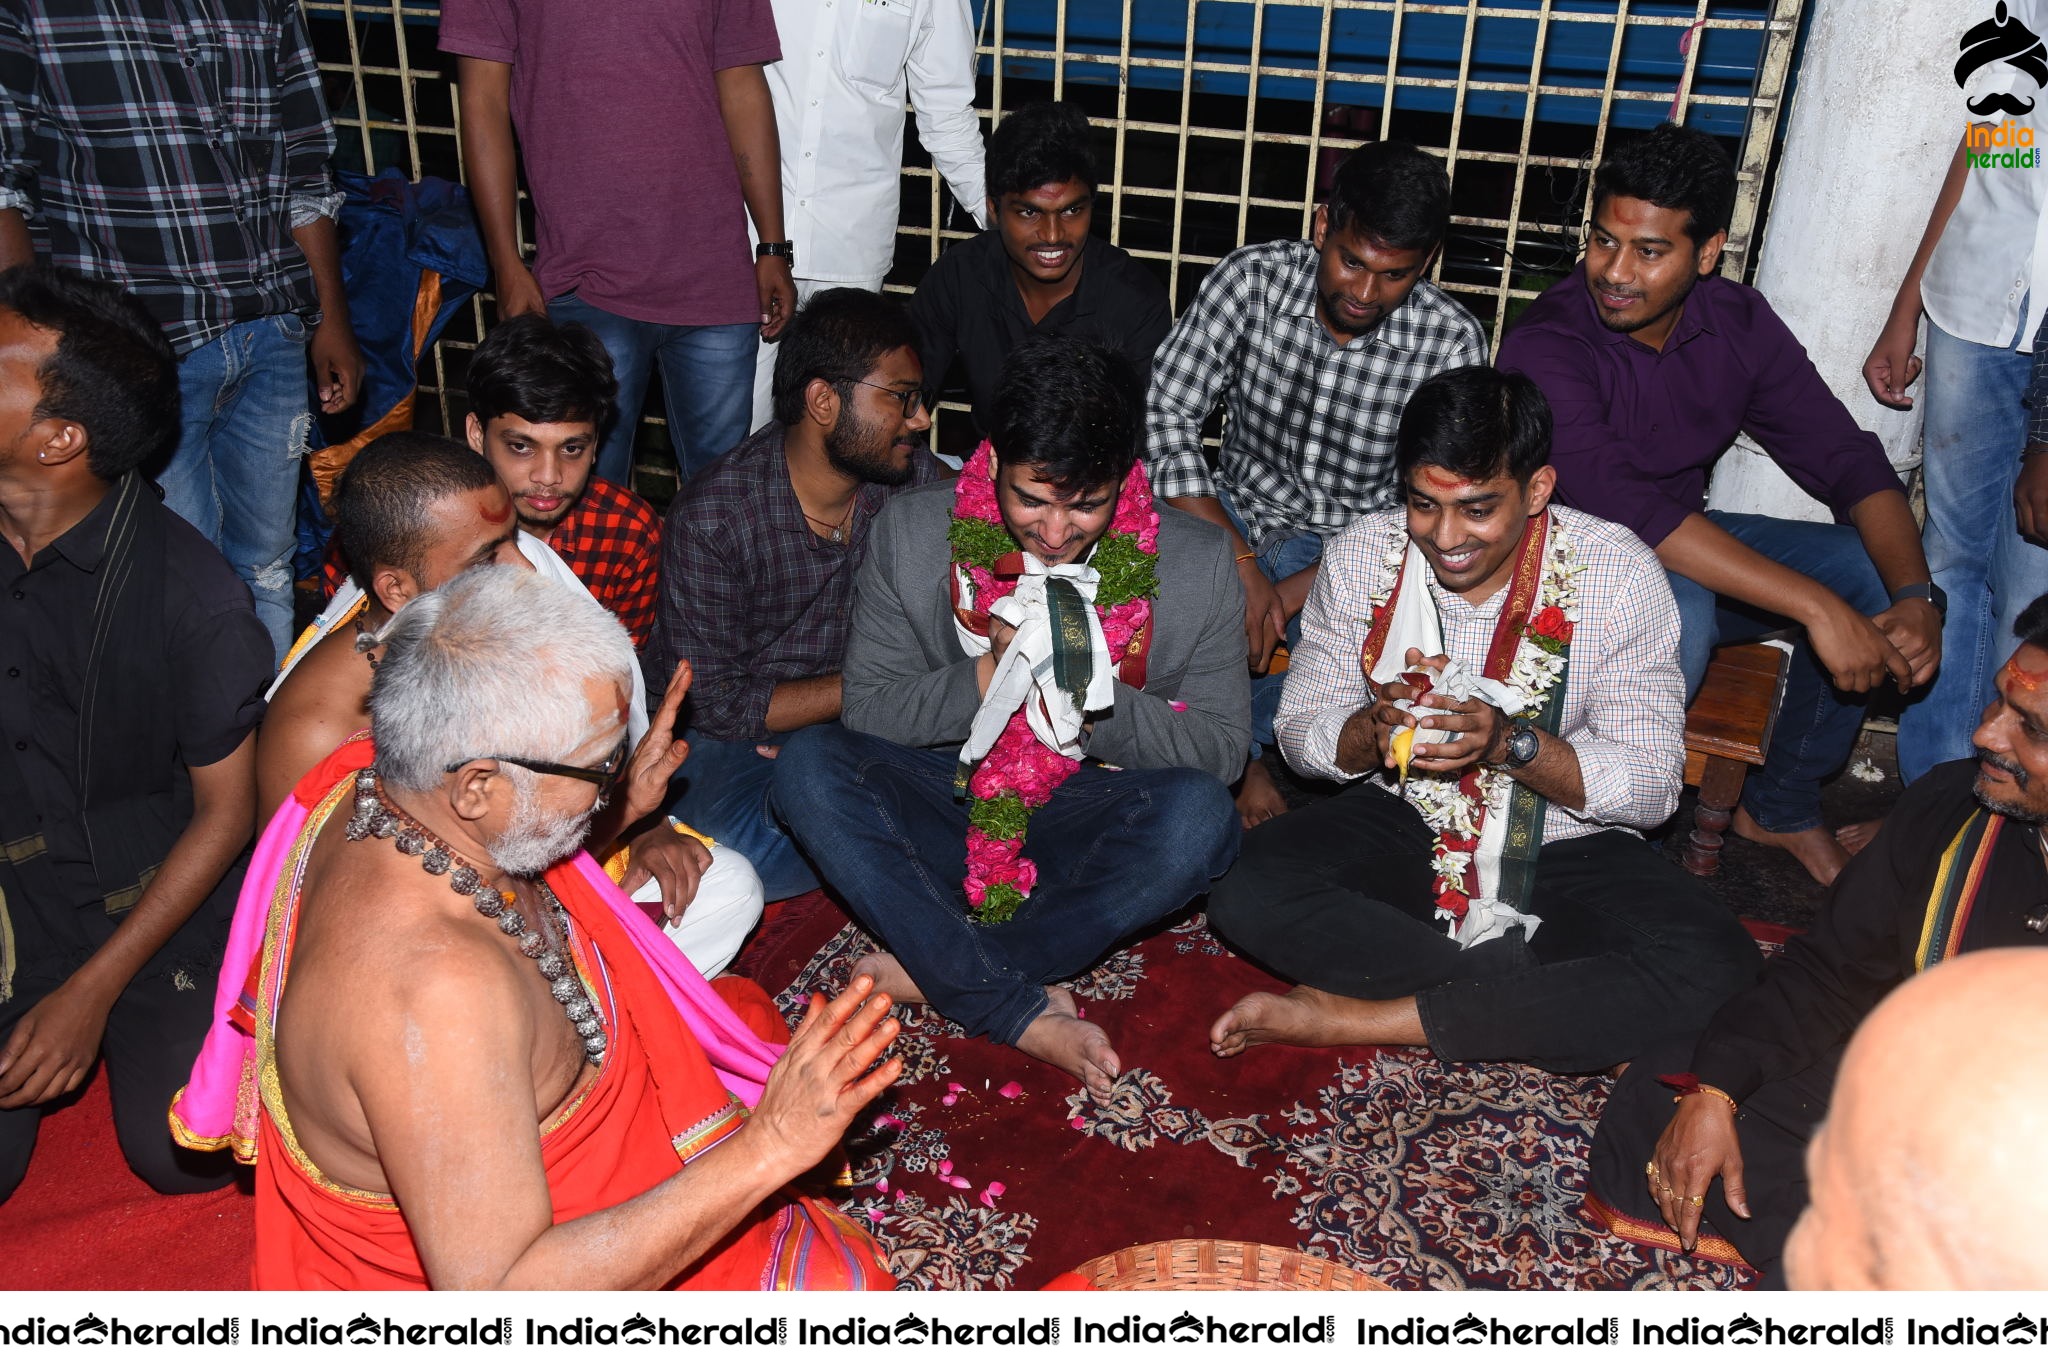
610	538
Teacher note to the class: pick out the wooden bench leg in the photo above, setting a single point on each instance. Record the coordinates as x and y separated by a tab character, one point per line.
1720	790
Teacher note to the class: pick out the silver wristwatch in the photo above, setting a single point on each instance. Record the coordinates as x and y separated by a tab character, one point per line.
1523	743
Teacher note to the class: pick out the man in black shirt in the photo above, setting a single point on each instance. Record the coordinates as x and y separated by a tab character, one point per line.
1957	868
132	669
1036	270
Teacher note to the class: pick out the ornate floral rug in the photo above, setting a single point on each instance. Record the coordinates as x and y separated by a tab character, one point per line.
987	1169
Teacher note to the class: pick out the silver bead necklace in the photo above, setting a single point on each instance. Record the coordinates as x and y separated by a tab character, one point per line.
377	816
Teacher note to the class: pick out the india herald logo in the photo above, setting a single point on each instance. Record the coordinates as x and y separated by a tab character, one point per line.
2002	38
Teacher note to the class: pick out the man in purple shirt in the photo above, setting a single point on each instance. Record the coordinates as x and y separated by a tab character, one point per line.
1652	364
648	138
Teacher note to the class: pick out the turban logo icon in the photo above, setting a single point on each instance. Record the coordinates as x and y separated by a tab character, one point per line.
2002	38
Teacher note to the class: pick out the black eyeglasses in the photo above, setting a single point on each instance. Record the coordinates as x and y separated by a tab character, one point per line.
912	399
606	778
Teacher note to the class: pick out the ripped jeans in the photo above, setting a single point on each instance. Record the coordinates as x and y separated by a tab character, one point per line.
246	422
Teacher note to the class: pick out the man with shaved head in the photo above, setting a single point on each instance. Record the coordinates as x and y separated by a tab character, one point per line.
1958	868
1907	1195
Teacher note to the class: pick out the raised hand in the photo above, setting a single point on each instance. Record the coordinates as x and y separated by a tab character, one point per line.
658	755
823	1080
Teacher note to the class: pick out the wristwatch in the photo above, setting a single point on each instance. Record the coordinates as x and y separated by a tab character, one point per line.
785	250
1930	591
1523	743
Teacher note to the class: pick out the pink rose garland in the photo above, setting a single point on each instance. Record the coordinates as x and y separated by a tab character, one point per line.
1020	773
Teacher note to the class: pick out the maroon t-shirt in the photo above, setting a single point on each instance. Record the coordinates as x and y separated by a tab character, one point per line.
636	199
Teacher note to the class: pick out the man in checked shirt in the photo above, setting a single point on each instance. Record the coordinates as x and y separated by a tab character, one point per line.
181	151
1553	935
1313	349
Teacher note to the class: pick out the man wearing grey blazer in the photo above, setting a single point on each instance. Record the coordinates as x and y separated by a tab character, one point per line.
1144	824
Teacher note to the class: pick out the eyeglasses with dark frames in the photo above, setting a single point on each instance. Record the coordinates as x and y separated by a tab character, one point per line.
911	399
606	778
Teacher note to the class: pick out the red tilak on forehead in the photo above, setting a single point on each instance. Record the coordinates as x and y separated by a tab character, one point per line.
2026	679
498	517
1443	482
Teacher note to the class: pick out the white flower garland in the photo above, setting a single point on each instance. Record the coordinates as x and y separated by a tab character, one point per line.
1443	802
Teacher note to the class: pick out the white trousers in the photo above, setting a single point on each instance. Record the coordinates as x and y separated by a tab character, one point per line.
727	906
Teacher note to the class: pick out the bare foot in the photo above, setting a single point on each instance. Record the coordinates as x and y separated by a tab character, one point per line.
1314	1018
1073	1045
1815	848
1857	834
889	977
1258	798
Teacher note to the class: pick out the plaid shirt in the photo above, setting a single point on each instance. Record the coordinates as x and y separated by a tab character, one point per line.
1309	445
1624	700
610	538
169	146
751	596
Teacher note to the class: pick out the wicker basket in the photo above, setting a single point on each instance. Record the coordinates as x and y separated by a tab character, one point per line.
1220	1265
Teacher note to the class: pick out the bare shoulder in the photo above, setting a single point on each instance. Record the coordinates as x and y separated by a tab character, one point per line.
321	703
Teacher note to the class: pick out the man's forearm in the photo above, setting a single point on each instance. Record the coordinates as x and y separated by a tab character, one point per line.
1906	303
320	242
749	114
1713	559
797	703
223	818
1885	522
490	157
1210	509
1554	773
16	247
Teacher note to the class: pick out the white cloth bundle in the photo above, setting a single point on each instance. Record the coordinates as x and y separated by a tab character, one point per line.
1024	677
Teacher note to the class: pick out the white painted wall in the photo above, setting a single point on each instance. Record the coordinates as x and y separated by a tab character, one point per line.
1872	126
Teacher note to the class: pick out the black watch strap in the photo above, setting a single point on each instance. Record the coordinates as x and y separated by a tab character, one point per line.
1930	591
785	250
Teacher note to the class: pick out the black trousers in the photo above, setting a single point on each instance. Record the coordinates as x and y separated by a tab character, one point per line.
1337	895
153	1036
1774	1125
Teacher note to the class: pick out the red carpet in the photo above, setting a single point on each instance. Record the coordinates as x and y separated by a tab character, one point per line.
1421	1173
81	1221
1418	1172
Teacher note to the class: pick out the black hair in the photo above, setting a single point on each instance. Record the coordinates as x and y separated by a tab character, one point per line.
1476	422
1673	168
1040	144
380	509
113	371
1394	193
543	371
1070	411
839	337
2032	624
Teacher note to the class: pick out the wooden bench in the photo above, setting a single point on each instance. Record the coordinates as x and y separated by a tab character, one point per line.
1727	732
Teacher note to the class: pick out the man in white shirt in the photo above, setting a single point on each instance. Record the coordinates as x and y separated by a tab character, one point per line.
1498	903
846	68
1981	277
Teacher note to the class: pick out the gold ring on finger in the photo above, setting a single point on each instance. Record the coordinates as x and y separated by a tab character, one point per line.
1696	1200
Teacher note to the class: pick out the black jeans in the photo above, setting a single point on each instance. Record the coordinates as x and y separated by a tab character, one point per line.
153	1036
1774	1127
1337	896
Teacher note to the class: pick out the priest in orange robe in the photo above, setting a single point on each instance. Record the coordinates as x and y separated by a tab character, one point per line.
458	1057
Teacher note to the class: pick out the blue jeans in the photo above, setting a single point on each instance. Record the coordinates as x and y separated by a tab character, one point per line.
724	794
1816	726
1284	554
707	384
1975	430
247	423
1117	850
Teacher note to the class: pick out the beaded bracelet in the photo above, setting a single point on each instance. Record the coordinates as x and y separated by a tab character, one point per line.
1689	1084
